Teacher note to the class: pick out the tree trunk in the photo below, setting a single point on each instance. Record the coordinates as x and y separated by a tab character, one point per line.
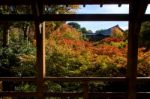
25	31
5	34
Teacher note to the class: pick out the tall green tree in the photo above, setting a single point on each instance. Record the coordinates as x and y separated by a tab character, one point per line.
144	36
75	25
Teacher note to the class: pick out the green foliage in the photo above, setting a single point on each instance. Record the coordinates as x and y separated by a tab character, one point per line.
144	36
19	59
143	63
7	61
75	25
61	9
99	31
83	30
119	44
26	87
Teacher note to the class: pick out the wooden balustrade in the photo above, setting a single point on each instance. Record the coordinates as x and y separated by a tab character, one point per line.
85	85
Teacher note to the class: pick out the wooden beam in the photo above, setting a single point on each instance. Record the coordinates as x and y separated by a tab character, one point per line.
67	17
86	17
13	17
24	94
16	2
136	10
73	79
82	79
146	17
121	95
103	95
67	2
64	2
71	17
15	79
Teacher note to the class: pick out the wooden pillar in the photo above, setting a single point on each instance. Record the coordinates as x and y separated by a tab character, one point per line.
37	8
40	61
132	61
136	11
85	90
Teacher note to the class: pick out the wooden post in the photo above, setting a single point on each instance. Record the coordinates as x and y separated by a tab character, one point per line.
85	90
132	61
37	8
40	61
136	10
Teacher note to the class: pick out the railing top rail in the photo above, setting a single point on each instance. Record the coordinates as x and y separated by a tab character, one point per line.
76	94
72	79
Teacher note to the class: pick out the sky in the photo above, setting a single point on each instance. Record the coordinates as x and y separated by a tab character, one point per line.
96	9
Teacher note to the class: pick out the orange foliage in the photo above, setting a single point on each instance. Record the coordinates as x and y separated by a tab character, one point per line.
111	39
67	39
107	50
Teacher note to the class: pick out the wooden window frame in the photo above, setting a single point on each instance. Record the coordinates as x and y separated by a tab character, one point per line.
135	18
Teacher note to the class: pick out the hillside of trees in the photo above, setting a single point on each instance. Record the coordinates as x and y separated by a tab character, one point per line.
68	54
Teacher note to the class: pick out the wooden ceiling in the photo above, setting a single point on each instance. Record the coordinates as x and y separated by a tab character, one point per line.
39	4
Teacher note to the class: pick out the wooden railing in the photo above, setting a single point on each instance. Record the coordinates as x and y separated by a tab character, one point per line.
84	80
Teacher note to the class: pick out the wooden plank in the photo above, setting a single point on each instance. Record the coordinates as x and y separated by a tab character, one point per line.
103	95
141	95
109	95
72	79
136	10
81	79
15	79
63	94
16	94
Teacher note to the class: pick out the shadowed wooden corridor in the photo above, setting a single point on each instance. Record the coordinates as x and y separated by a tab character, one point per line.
135	17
